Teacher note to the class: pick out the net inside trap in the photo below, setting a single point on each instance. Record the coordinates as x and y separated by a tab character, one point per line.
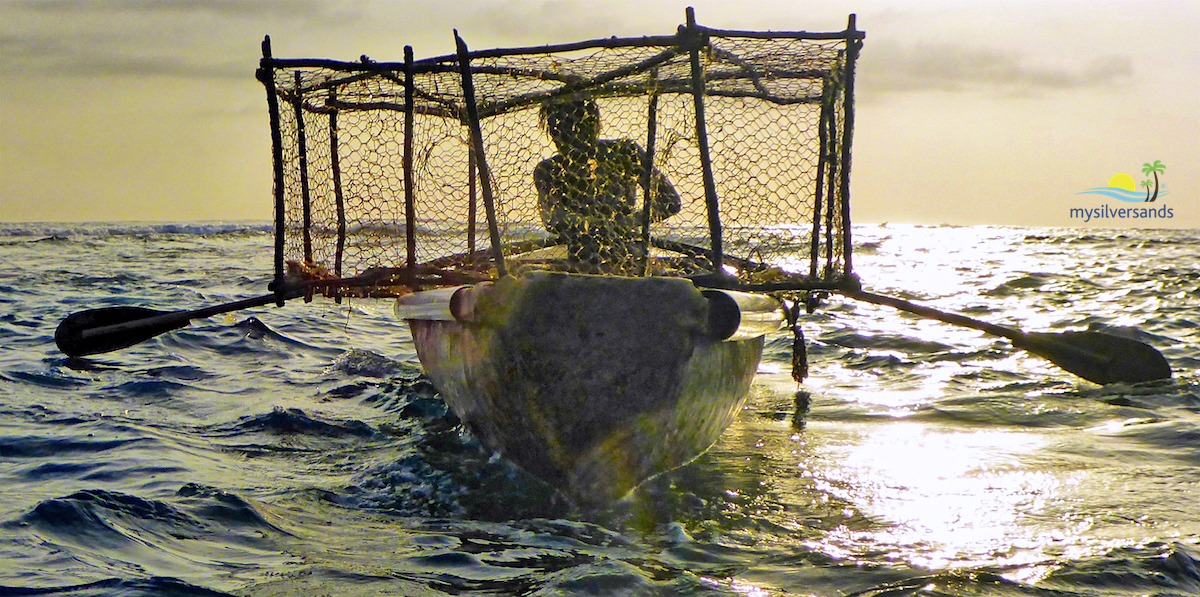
668	155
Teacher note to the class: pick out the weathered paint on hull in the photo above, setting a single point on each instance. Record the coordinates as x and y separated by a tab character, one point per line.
591	383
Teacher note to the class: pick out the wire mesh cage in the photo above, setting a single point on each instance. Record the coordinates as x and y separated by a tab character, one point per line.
709	149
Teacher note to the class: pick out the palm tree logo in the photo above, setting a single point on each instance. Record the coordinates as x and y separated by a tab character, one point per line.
1124	187
1154	169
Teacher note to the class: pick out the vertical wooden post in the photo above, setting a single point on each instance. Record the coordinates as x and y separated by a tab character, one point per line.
832	167
302	148
853	45
266	74
696	40
485	175
648	196
338	196
827	98
472	194
410	215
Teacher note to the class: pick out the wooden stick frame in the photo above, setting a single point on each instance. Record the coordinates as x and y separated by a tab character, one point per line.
832	170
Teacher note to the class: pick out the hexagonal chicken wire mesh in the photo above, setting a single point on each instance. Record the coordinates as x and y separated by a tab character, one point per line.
767	117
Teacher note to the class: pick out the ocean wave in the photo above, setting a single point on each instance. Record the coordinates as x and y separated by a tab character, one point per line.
1156	568
155	586
293	421
40	447
886	342
148	546
55	231
148	388
247	337
1021	283
94	512
366	363
45	379
1174	439
213	504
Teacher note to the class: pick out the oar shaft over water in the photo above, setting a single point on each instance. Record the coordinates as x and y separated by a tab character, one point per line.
1094	356
931	313
176	318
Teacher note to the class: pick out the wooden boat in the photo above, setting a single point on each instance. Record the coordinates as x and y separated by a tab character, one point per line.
592	383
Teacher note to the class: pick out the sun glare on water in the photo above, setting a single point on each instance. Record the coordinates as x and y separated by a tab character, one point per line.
950	498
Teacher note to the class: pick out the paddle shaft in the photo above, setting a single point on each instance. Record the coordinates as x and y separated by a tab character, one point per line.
951	318
1035	344
1094	356
175	319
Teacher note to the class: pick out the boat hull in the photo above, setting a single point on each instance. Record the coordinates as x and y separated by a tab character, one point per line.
591	383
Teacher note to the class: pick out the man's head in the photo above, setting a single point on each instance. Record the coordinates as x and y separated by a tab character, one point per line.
573	125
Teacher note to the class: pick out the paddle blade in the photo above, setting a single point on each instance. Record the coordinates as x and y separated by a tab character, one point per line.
112	328
1098	357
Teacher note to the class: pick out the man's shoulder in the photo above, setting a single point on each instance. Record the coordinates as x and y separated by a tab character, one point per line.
623	148
546	164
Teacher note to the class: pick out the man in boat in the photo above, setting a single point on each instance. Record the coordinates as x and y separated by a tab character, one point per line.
588	193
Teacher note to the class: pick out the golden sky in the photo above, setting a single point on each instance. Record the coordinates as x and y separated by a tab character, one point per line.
969	112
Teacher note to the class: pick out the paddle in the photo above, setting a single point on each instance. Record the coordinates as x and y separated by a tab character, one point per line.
1094	356
112	328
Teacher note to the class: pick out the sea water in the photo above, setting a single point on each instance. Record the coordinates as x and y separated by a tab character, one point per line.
298	451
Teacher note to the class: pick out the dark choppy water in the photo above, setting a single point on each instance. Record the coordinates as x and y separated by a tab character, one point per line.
296	451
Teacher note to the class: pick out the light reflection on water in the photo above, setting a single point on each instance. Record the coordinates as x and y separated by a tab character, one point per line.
941	448
939	496
949	498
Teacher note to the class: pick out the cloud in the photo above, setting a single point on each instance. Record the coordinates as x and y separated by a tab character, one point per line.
195	39
40	56
890	68
234	8
535	22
